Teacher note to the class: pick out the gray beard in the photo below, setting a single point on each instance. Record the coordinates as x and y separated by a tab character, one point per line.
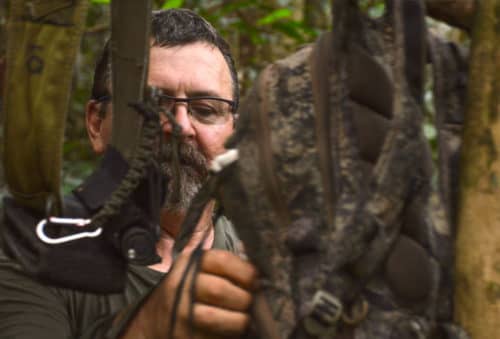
193	171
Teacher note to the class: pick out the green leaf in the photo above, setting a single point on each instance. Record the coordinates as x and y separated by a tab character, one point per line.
231	7
292	29
172	4
430	131
377	10
275	16
100	1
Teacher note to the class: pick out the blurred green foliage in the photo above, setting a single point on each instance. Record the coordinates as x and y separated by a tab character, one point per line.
258	32
172	4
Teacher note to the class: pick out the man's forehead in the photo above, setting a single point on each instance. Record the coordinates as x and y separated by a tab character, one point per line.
193	69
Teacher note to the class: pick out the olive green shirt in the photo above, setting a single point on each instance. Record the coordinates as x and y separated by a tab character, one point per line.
30	309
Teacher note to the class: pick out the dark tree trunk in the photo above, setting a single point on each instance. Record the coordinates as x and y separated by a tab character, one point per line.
458	13
3	45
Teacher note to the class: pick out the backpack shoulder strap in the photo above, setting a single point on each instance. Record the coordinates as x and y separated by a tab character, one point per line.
265	157
320	69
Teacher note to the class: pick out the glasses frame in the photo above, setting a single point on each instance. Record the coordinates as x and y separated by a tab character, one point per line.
107	97
209	97
103	98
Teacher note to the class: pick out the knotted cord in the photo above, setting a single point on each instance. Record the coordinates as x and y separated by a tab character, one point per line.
138	166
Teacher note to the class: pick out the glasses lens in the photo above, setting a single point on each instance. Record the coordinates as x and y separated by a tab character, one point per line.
210	111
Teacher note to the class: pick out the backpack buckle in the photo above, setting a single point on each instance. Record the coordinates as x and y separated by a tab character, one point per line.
325	313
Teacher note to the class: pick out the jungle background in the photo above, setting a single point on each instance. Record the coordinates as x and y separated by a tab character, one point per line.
262	31
258	32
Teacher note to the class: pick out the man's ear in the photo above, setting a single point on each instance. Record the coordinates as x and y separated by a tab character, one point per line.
96	128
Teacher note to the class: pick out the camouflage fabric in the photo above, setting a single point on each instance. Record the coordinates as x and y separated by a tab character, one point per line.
332	194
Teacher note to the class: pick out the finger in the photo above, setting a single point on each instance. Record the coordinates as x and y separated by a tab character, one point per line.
228	265
177	270
220	292
219	321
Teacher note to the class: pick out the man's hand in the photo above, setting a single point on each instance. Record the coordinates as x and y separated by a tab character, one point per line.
222	299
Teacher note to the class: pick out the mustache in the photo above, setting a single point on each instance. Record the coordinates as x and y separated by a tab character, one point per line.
189	156
186	168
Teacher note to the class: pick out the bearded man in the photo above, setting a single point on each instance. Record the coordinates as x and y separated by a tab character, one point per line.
191	64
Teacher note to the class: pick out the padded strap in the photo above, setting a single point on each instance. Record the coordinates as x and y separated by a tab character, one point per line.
369	83
43	39
409	270
371	129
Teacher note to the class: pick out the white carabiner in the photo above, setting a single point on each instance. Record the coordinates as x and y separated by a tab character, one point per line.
67	221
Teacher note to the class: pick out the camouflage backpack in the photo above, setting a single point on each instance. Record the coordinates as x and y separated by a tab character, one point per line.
332	192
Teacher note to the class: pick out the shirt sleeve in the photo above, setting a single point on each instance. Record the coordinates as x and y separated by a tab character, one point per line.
226	237
28	309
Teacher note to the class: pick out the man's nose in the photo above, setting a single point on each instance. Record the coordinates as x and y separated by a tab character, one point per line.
182	119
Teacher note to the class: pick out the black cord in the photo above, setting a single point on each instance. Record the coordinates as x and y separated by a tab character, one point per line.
195	256
198	252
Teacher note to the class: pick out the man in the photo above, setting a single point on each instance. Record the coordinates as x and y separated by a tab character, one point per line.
188	59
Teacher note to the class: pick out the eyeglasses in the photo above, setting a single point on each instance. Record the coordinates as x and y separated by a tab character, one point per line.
207	110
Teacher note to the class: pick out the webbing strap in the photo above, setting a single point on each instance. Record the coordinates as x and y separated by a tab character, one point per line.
43	38
130	27
266	160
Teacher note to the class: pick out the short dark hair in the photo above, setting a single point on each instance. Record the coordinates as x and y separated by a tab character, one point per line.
169	28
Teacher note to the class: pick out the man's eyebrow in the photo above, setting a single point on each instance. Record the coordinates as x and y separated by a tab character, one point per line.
204	93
